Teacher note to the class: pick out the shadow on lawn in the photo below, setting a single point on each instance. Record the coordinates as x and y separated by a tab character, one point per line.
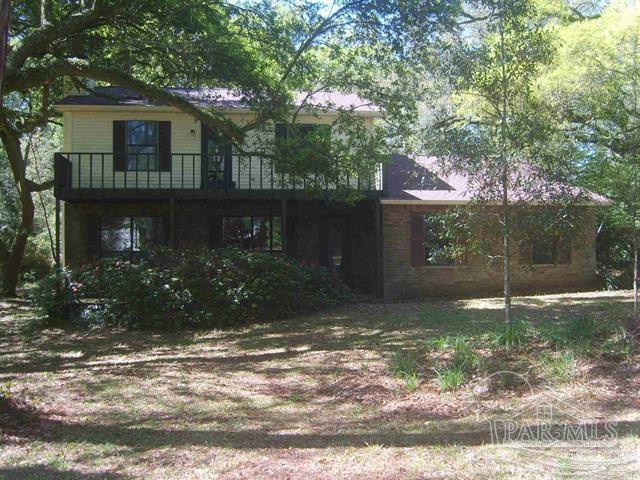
373	327
144	438
44	472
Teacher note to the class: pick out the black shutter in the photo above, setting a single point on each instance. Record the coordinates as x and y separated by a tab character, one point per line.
93	236
119	145
417	240
281	131
164	145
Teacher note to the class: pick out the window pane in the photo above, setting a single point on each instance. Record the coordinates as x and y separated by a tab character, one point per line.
115	234
147	233
543	252
262	233
142	145
437	244
236	231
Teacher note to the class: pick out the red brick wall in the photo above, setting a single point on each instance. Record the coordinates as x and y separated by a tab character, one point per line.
476	276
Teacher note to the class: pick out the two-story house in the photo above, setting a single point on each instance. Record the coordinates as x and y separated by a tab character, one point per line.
135	174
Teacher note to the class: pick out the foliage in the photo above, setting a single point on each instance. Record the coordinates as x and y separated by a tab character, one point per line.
451	378
404	363
266	52
587	336
514	335
595	83
561	366
204	289
494	130
461	361
57	299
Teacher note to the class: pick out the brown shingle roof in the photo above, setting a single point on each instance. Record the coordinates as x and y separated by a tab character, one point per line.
419	178
216	97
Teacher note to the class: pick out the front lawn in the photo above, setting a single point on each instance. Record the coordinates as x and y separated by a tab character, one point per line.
356	392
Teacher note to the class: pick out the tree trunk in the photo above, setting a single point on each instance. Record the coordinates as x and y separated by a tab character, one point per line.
506	262
11	142
636	279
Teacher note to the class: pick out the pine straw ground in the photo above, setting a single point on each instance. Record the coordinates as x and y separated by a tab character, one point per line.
311	397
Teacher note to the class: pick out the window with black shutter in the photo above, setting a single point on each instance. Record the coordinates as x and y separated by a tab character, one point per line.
141	145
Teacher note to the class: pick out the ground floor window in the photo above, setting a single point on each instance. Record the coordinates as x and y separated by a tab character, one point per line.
438	242
550	250
130	234
255	233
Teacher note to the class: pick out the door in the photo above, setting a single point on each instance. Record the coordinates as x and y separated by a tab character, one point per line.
216	161
335	245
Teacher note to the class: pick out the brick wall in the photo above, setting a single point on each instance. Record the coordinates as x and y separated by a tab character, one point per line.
476	276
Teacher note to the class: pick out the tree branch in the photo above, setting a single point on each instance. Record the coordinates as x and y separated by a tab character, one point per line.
40	41
38	187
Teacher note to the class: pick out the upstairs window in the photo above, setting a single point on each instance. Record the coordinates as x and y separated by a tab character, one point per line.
252	233
130	234
142	144
301	131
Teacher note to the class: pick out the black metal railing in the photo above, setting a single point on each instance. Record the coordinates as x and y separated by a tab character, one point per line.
86	171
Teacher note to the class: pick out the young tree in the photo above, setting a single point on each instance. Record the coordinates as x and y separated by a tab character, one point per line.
492	129
262	50
596	84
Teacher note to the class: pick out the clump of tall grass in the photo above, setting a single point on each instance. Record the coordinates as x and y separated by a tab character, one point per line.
462	363
405	364
560	366
513	335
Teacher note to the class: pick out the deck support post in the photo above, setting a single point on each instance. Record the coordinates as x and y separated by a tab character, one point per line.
283	227
379	286
172	222
57	227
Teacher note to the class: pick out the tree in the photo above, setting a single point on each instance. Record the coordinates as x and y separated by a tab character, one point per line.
595	83
262	50
492	130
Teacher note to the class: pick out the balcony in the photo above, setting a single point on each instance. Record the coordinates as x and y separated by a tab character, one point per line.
92	176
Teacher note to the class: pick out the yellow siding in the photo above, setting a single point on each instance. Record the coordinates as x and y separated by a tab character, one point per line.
91	132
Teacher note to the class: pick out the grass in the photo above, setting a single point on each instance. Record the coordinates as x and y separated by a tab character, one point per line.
560	366
356	392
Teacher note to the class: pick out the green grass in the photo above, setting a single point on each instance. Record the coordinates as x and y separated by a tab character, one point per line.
450	378
560	367
513	335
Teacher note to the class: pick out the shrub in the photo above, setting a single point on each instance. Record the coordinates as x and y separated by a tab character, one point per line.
57	299
137	295
204	288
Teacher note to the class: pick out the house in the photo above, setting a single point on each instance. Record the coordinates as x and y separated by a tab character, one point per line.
135	174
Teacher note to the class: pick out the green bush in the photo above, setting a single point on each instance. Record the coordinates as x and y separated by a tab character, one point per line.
57	299
204	288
